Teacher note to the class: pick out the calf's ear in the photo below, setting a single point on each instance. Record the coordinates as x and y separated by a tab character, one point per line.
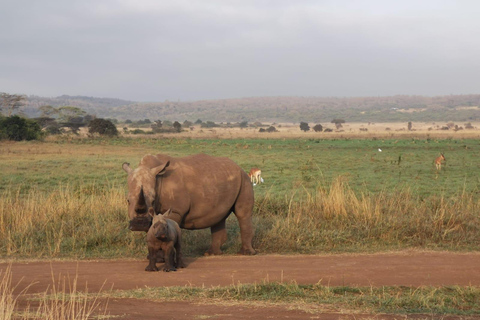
160	170
126	167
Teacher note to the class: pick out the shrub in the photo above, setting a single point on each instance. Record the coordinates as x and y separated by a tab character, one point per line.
177	126
318	128
304	126
17	129
272	129
102	127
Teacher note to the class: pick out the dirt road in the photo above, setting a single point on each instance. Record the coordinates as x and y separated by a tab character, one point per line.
409	268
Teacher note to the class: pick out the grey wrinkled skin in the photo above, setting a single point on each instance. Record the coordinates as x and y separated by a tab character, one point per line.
200	190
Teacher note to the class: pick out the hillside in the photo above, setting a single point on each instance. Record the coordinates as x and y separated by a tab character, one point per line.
399	108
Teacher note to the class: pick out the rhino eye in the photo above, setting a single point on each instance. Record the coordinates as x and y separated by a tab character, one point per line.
128	201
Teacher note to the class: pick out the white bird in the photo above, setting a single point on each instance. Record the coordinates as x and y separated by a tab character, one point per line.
379	150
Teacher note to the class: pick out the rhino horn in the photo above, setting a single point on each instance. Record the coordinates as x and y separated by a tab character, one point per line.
160	170
126	167
141	198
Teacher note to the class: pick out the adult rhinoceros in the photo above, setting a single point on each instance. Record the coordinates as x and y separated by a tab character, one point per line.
200	190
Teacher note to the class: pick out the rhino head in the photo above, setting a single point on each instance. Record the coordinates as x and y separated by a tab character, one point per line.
160	226
141	194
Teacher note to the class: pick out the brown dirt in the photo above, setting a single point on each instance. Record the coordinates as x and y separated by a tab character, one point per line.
408	268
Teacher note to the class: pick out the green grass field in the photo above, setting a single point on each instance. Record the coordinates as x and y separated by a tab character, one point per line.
318	195
286	164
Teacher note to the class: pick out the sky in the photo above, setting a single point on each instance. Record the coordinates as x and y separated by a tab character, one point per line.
155	50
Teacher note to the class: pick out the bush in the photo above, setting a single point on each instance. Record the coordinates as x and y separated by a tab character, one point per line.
272	129
304	126
17	129
318	128
102	127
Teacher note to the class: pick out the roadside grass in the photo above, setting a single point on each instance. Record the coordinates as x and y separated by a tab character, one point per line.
452	300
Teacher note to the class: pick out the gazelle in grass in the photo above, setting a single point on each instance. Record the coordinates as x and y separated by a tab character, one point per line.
438	161
255	176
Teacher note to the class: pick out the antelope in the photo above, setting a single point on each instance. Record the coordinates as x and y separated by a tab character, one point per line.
438	161
255	176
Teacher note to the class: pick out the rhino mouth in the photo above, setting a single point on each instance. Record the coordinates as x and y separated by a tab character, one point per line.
140	224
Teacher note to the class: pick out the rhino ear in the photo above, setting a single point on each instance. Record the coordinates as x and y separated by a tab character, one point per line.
166	213
126	167
160	170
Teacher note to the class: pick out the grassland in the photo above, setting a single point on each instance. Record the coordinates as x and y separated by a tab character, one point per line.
319	195
65	198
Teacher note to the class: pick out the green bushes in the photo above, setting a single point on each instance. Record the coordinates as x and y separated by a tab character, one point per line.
102	127
17	129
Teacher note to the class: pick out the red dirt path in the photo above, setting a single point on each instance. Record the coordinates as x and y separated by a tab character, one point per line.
409	268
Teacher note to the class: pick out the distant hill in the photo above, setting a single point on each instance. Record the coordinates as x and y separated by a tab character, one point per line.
399	108
91	105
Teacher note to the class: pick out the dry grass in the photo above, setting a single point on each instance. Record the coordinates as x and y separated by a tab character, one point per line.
67	223
62	301
393	130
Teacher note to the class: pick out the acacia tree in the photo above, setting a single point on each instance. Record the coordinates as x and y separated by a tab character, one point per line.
338	123
10	102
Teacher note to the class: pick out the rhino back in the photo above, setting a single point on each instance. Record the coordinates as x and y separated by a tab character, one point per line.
201	188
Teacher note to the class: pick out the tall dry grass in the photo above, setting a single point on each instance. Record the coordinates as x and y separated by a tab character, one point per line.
82	223
337	218
65	222
62	301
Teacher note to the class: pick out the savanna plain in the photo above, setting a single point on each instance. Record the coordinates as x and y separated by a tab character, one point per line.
64	198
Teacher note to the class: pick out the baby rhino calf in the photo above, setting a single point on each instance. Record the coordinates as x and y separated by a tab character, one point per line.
164	234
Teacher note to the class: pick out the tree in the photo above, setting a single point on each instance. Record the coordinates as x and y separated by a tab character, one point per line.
157	126
17	129
177	126
102	127
318	128
338	123
304	126
409	125
67	113
48	111
10	102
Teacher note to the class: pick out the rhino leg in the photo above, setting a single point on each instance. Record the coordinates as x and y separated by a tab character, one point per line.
159	256
178	255
152	260
169	259
219	237
243	209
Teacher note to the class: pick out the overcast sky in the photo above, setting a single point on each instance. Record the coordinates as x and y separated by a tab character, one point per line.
153	50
